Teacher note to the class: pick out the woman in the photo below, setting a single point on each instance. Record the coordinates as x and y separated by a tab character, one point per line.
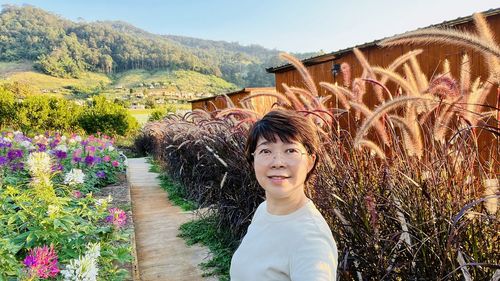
288	238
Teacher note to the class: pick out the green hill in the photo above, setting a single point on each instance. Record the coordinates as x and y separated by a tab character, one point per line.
173	81
66	49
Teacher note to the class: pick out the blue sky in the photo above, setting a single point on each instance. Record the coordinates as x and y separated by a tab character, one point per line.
288	25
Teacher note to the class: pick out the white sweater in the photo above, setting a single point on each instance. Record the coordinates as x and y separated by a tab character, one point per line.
297	247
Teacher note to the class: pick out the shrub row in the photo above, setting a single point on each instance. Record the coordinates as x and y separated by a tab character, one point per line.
37	113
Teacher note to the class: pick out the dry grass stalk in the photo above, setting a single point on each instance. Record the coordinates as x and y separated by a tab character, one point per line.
465	75
369	72
378	125
486	34
309	82
384	108
398	79
373	148
491	187
339	92
444	36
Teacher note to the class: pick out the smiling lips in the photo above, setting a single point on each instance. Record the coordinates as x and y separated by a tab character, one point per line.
278	179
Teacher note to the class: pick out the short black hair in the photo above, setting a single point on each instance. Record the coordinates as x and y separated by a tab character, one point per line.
289	126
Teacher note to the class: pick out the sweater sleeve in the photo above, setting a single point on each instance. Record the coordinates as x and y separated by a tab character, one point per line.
314	259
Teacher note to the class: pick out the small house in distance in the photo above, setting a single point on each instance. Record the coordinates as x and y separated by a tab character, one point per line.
261	104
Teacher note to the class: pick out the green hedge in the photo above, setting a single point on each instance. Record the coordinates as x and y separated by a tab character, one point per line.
38	113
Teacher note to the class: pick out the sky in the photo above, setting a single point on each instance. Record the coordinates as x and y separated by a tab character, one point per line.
286	25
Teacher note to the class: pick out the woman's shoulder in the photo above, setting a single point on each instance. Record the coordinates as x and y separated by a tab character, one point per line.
312	222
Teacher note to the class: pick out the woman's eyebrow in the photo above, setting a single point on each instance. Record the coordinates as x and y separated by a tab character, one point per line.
263	143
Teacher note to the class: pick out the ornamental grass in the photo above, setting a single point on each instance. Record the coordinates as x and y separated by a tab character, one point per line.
407	187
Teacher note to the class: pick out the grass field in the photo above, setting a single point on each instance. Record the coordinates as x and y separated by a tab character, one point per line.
142	115
174	81
42	82
8	68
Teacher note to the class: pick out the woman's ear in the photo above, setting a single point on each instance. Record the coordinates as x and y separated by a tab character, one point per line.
312	161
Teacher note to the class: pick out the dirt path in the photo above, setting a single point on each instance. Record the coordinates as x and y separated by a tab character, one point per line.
161	254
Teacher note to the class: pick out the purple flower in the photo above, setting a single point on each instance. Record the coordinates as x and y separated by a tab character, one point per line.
41	147
89	160
54	143
17	166
57	167
29	261
117	217
101	174
97	159
4	143
3	160
42	262
13	154
77	159
84	142
60	154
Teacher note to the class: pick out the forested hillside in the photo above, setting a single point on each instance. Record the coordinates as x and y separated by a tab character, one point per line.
63	48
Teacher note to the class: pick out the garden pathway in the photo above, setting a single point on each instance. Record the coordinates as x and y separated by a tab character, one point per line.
161	254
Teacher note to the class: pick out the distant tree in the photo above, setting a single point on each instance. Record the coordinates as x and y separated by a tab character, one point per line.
7	109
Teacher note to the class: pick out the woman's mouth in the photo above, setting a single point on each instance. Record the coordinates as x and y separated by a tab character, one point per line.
278	179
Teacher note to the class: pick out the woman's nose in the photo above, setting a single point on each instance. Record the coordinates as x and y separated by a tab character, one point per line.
277	160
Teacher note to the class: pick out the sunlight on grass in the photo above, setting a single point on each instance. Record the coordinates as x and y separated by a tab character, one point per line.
41	81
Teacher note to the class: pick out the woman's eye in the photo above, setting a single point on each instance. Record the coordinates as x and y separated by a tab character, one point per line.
292	150
264	151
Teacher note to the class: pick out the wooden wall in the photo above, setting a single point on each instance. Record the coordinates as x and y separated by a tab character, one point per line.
259	104
431	60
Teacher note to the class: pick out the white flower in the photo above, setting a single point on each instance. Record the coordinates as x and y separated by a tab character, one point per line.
39	166
101	202
78	138
74	177
53	209
111	148
84	268
61	147
63	138
26	144
72	141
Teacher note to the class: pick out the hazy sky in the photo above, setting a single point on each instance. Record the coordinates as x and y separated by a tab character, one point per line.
288	25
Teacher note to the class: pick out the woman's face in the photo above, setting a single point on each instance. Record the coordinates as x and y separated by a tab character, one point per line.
281	168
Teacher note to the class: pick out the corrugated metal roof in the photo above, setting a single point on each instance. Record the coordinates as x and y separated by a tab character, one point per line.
336	54
244	90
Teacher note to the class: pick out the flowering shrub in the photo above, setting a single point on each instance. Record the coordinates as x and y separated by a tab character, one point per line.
42	262
84	268
49	201
117	217
85	164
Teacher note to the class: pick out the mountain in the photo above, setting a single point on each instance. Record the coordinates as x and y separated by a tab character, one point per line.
63	48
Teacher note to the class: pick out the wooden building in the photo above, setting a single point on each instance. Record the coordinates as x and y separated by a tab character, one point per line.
259	104
326	68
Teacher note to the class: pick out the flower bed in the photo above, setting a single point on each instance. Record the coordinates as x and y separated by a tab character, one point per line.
52	224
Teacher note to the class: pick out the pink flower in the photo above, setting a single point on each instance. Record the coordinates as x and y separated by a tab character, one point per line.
77	194
117	217
77	152
115	163
106	158
42	262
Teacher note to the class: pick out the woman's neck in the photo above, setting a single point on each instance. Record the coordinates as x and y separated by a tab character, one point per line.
285	206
